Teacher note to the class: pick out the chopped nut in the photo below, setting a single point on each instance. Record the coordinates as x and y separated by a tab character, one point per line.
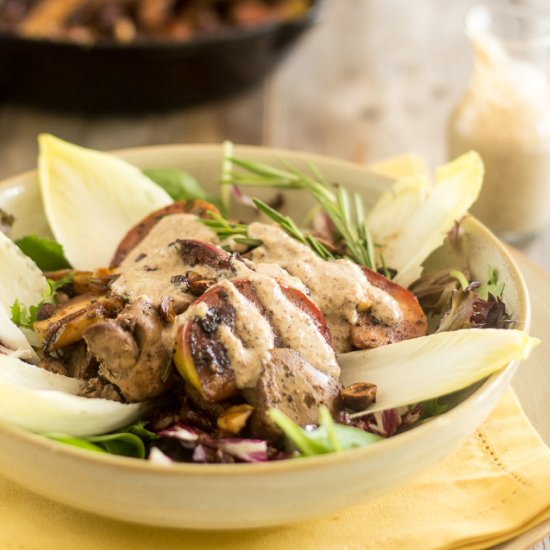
233	420
358	396
167	310
180	282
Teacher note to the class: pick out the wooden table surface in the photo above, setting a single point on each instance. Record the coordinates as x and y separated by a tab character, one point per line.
373	79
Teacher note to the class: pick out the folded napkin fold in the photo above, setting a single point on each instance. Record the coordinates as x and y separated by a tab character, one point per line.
495	487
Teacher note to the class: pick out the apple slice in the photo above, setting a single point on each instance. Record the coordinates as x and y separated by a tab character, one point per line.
371	333
201	358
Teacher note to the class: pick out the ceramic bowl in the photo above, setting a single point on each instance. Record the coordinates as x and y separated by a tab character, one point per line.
235	496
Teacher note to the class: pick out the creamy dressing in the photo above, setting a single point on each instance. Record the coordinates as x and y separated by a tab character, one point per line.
254	335
274	271
169	229
296	328
337	287
154	276
252	338
150	267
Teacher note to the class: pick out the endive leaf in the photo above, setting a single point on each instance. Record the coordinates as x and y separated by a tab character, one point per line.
411	222
13	341
15	372
52	411
415	370
20	280
35	399
92	199
401	200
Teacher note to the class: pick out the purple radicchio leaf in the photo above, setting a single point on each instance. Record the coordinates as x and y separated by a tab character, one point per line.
242	198
184	444
386	423
200	454
323	227
248	450
434	290
469	310
156	456
180	431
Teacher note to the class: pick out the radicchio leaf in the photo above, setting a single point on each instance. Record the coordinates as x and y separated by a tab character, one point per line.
158	457
242	198
247	450
469	310
324	228
179	431
184	444
387	423
434	290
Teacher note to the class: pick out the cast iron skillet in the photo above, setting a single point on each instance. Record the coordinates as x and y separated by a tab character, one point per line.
143	76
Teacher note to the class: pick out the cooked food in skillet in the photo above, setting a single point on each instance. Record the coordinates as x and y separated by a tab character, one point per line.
126	21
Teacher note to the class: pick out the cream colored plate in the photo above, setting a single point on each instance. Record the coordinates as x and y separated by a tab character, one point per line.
250	495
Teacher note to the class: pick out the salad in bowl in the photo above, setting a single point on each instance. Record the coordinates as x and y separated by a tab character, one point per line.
176	320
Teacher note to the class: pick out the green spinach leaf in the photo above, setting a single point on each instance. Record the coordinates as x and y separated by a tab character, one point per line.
46	254
178	184
123	444
329	437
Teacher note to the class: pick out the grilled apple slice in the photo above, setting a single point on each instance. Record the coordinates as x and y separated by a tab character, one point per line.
202	359
372	333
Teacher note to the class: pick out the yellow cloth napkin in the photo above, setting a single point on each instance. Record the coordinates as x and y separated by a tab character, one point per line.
495	487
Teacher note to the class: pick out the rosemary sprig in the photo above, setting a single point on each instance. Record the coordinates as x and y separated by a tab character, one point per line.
347	214
248	241
225	230
288	226
239	232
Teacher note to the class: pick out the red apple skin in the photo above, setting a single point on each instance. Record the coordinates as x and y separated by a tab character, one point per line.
370	334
